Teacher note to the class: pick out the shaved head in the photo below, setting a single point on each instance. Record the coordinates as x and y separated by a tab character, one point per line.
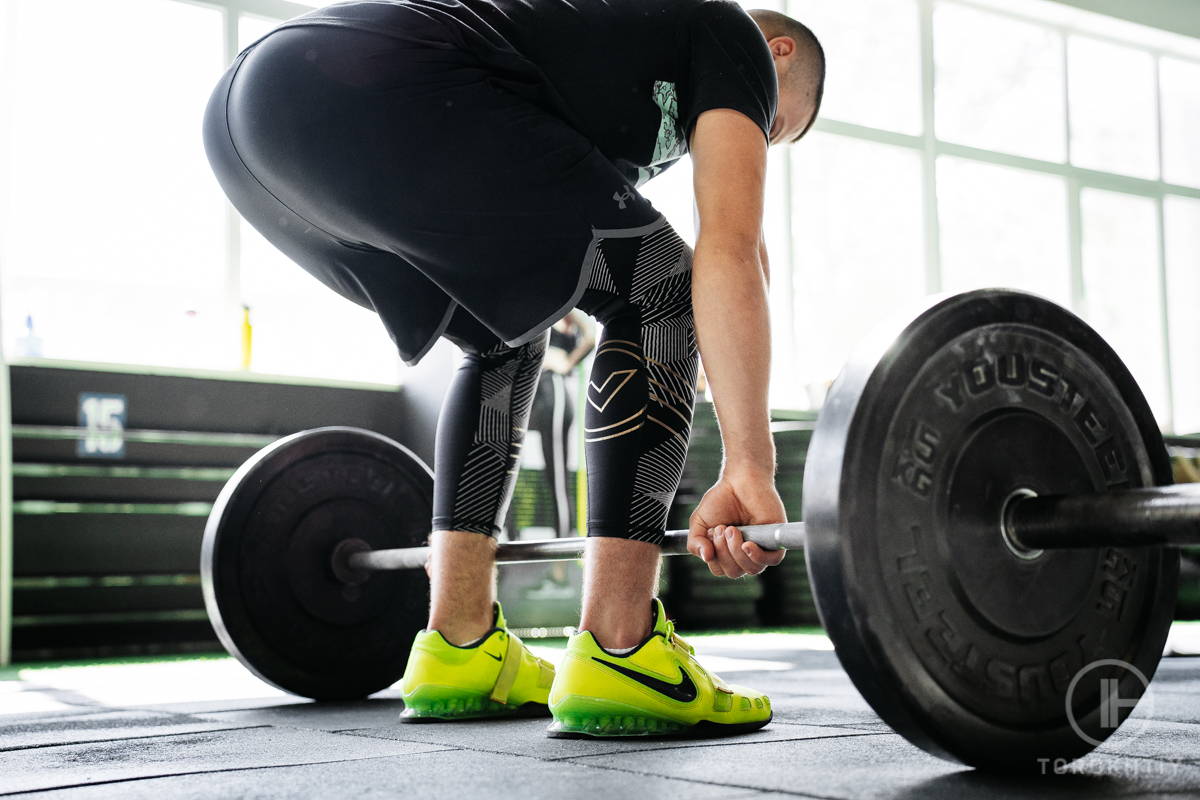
801	70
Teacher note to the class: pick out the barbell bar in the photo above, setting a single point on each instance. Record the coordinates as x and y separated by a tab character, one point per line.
785	536
1134	518
986	503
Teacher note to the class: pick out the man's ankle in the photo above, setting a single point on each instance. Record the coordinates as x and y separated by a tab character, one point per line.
617	631
462	632
462	585
620	578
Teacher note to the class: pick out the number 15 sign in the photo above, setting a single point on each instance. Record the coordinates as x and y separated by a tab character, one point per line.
102	417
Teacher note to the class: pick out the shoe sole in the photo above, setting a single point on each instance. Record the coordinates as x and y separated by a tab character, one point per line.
411	716
704	729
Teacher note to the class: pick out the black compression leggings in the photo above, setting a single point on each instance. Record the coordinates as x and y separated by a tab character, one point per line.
640	396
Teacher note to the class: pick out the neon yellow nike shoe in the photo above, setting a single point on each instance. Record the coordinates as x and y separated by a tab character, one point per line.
494	677
658	689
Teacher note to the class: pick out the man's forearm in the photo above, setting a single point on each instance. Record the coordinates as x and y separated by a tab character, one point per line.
733	328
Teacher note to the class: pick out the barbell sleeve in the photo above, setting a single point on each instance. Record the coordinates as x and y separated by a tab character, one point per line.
1163	515
783	536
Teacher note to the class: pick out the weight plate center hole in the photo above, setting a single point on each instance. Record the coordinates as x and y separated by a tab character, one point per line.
339	562
1010	540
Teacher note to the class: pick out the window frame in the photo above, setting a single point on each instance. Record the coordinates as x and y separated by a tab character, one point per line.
228	293
1066	23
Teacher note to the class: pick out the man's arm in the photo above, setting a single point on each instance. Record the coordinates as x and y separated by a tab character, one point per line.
729	297
729	294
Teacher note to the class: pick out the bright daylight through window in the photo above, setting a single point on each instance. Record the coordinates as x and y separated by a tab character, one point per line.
962	144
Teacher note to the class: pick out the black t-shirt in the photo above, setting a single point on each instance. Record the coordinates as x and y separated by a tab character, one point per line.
631	75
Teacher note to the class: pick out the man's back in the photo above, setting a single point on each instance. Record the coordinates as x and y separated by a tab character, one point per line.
631	75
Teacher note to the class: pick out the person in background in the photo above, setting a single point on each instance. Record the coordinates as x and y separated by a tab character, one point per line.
553	412
571	339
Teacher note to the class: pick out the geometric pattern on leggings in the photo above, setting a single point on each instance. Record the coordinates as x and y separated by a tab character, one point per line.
662	336
662	290
507	384
602	280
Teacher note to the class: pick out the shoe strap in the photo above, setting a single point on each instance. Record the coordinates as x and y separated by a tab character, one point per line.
546	677
677	640
686	650
508	669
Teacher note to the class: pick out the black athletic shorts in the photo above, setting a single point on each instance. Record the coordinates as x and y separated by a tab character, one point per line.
414	180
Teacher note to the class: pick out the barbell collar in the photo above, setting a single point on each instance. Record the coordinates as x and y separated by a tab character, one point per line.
784	536
1163	515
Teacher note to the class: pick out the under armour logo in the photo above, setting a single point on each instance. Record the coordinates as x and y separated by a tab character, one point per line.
621	198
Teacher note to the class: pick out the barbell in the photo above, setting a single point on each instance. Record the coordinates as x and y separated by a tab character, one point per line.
987	525
1030	525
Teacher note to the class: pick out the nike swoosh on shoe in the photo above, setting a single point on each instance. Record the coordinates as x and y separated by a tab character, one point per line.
683	692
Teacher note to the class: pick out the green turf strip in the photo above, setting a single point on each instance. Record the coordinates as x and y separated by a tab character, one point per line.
47	507
104	581
216	474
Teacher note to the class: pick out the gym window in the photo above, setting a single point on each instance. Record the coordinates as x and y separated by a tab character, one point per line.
118	244
963	143
971	143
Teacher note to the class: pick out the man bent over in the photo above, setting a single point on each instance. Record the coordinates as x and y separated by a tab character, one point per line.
468	169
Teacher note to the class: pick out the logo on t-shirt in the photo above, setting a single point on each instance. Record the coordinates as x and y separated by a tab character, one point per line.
670	144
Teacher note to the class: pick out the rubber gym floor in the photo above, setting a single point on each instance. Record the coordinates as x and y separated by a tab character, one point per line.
204	727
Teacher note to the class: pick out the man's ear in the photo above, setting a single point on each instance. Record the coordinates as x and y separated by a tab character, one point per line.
782	46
